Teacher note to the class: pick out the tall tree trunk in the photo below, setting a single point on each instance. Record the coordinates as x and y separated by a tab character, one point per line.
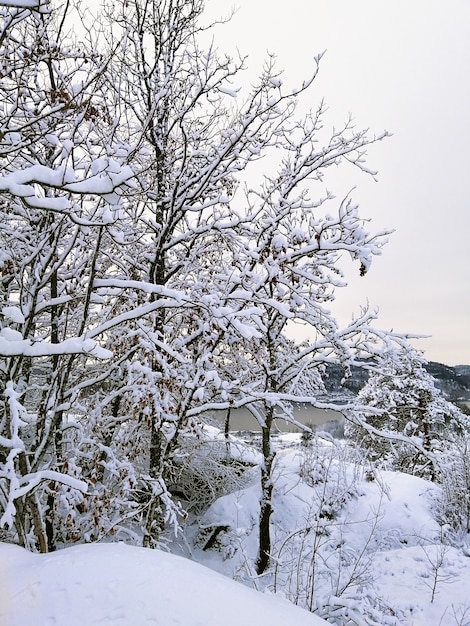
157	439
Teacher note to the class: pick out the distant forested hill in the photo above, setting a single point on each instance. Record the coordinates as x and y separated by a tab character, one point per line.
454	382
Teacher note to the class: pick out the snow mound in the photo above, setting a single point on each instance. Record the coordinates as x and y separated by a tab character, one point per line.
120	585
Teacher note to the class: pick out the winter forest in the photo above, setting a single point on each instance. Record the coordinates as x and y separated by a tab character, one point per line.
165	227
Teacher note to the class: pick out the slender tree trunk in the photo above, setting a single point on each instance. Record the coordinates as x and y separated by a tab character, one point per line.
31	505
37	524
227	431
266	508
49	520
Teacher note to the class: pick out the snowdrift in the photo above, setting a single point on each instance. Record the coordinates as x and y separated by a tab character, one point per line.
120	585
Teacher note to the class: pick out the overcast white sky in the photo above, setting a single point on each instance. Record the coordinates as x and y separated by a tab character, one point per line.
405	67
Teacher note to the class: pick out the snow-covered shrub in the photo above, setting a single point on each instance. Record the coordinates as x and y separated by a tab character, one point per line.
206	467
324	468
110	508
453	505
315	565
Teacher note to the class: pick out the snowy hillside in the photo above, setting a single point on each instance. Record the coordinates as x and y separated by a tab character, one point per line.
375	554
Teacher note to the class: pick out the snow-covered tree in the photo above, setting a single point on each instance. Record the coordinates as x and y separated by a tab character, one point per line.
143	284
208	254
292	273
403	419
60	177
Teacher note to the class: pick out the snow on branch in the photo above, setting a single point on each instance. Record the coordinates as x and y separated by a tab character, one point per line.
12	344
20	486
23	4
30	481
142	285
107	175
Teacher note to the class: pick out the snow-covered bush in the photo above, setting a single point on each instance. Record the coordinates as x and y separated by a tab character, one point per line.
207	466
315	565
453	506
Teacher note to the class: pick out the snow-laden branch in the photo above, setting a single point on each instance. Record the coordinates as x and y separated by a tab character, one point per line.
19	486
23	4
29	481
107	175
12	344
241	319
141	285
351	413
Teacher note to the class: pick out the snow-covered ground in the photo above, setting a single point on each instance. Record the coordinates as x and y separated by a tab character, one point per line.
374	555
120	585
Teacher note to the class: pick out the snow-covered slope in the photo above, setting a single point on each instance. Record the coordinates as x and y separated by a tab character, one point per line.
378	542
119	585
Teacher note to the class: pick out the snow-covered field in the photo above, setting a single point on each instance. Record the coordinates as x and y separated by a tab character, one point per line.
374	555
